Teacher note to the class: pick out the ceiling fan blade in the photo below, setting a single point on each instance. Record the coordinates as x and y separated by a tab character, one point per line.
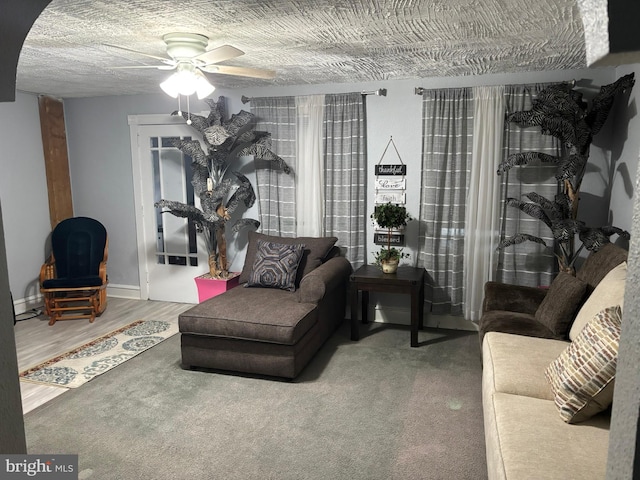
162	59
240	71
219	54
157	67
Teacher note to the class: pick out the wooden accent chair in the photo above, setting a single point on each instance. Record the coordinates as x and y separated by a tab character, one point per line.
74	278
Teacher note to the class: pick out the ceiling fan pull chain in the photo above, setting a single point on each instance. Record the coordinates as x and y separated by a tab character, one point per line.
179	107
188	111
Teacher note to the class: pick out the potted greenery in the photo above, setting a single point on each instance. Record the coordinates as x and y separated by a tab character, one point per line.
220	189
392	217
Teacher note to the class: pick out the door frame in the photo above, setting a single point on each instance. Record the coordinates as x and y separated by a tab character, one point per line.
136	121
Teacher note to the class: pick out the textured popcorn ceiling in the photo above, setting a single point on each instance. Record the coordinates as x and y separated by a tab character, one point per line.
305	41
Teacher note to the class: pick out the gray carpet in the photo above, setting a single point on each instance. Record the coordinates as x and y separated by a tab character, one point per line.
373	409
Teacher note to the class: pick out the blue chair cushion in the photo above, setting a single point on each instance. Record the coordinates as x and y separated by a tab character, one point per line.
73	282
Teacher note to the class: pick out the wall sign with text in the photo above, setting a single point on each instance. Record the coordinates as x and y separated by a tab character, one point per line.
381	238
392	170
391	179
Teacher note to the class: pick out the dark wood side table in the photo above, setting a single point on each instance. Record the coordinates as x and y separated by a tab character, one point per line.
407	280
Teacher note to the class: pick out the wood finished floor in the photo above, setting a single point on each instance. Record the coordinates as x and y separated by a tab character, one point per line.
37	342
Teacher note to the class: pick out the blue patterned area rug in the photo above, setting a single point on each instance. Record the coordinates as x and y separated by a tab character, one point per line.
83	364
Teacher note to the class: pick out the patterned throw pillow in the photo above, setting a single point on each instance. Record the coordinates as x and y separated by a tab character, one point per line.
275	265
582	377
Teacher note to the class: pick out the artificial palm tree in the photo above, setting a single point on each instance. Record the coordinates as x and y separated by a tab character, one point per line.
560	111
225	140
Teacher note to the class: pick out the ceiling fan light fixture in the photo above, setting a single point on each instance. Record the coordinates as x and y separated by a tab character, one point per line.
203	87
187	81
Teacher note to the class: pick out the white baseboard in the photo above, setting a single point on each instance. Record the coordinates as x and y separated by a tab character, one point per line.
402	316
131	292
29	303
36	301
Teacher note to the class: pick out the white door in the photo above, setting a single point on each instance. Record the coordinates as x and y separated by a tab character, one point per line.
170	251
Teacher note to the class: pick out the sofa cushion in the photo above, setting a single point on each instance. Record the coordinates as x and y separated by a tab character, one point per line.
515	364
512	322
275	265
525	439
610	291
599	263
315	251
260	314
582	377
557	310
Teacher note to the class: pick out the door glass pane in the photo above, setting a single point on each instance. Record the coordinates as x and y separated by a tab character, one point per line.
176	237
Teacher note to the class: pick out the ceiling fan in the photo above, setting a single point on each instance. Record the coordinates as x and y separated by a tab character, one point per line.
188	54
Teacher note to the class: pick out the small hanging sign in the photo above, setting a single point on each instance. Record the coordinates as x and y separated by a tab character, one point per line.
396	170
391	197
391	183
382	238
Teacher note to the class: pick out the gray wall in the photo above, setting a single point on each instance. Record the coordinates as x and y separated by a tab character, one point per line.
23	192
626	138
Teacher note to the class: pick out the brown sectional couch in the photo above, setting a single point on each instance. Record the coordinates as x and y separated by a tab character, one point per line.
269	331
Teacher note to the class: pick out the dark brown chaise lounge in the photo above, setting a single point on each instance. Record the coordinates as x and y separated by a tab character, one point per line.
269	331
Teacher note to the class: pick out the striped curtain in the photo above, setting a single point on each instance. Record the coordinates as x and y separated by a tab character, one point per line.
446	156
344	151
345	173
276	190
528	263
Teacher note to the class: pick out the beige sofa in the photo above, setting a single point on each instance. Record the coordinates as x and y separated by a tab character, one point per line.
526	435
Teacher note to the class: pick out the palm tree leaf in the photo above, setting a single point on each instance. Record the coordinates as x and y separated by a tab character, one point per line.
216	115
191	148
557	99
560	128
211	200
520	238
570	167
263	153
238	121
563	202
527	118
244	222
531	209
197	121
553	210
244	193
187	211
603	101
525	158
216	134
566	229
611	230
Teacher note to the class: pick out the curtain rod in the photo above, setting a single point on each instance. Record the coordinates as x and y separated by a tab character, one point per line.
380	92
573	82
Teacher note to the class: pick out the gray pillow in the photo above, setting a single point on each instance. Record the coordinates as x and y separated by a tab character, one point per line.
275	266
315	251
558	308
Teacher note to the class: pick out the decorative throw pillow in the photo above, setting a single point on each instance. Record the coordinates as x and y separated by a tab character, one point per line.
316	249
610	291
276	265
557	310
582	377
